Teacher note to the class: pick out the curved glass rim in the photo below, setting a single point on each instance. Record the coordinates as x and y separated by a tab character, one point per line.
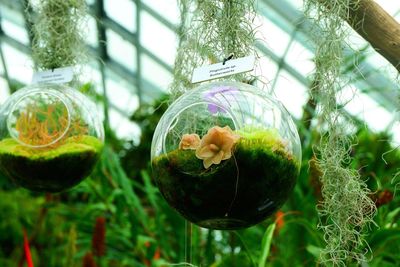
56	94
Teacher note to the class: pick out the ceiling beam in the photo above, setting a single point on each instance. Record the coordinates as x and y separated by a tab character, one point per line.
382	89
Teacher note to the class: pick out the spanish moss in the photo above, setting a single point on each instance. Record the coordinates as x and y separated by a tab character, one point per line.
346	209
215	30
57	33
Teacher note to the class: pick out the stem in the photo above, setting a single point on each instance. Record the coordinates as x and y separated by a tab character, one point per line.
188	242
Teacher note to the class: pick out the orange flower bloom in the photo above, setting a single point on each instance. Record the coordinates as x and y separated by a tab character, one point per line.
216	145
189	141
279	220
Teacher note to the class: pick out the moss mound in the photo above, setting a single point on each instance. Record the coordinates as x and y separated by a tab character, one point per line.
239	192
49	170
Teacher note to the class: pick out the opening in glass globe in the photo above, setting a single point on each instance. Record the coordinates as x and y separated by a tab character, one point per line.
50	137
39	119
225	155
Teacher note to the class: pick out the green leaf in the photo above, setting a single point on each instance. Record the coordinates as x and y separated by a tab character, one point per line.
150	190
313	250
393	214
382	236
266	244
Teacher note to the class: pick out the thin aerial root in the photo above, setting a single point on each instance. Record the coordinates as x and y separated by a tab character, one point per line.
346	210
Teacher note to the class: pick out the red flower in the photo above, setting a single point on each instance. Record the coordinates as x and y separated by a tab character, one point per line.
88	260
279	220
383	198
157	254
99	237
27	250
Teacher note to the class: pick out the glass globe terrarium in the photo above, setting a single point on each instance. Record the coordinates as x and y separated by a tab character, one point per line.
50	137
225	155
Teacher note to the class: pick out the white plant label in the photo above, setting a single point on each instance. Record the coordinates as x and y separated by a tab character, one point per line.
218	70
60	75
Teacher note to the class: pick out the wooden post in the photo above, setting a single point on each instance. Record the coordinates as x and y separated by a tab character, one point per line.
380	29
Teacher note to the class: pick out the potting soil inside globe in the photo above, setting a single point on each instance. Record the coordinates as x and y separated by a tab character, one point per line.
225	155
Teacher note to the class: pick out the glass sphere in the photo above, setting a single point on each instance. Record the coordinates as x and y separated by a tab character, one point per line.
225	155
50	137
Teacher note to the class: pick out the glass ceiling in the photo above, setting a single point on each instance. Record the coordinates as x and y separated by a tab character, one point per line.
140	47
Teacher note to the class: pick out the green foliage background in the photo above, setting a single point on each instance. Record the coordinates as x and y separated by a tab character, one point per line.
142	230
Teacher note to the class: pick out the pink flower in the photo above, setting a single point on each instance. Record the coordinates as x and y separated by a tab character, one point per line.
216	145
189	141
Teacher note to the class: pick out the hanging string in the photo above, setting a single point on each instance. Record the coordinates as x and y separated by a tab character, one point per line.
215	30
188	242
346	209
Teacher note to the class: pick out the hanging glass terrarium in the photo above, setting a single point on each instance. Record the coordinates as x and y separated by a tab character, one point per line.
50	137
225	155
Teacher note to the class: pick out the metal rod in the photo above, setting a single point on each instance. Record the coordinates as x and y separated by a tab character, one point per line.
3	62
138	52
103	57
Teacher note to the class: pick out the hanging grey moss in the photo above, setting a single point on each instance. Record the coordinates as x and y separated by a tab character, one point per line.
215	30
346	210
57	34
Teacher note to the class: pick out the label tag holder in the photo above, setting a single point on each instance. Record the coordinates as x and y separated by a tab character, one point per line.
57	76
222	69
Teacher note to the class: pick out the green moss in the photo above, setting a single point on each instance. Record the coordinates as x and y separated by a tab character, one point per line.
237	193
71	146
268	136
51	170
266	140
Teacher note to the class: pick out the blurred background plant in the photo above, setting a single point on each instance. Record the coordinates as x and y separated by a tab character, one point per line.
118	218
